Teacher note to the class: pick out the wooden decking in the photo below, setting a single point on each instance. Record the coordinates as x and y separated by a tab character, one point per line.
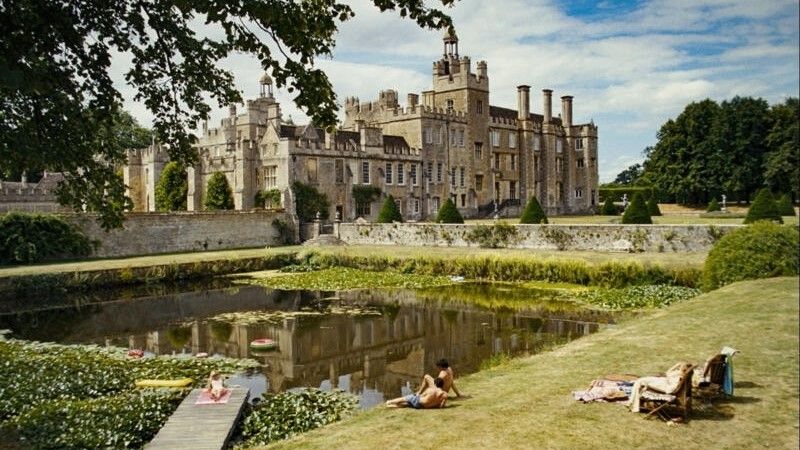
201	427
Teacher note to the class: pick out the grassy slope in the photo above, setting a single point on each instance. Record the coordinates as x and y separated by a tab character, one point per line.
527	404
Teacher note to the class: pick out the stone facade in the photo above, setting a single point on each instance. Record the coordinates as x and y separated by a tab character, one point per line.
453	144
605	238
31	197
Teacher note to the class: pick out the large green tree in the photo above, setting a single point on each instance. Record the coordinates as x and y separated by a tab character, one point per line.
781	163
219	195
58	103
172	188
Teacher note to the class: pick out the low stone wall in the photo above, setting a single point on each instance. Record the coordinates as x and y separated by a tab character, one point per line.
152	233
615	238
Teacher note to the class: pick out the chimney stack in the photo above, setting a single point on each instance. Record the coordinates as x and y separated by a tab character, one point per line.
481	70
412	100
523	102
566	111
548	105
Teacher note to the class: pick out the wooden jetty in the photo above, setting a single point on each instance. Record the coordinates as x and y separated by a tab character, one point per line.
201	427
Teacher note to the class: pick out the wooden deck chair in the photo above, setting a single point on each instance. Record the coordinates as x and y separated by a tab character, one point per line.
655	402
713	374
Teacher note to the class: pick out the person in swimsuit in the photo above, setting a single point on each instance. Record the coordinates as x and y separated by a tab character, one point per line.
446	374
432	397
215	386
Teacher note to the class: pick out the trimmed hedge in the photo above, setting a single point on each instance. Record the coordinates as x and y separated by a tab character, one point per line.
609	208
761	250
533	212
636	212
652	207
615	193
389	212
784	205
448	213
764	207
28	238
713	206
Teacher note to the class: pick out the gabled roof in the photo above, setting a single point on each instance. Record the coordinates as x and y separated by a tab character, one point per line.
511	114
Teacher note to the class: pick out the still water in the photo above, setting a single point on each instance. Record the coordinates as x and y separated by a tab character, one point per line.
376	344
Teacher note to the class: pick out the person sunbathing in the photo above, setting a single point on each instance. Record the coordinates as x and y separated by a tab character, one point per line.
446	374
431	397
215	387
667	384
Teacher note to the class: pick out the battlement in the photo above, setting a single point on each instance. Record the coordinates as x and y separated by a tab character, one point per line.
152	153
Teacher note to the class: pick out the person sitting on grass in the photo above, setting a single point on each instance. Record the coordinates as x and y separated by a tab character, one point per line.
215	387
446	374
431	397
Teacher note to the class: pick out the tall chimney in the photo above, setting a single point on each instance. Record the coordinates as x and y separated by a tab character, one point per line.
482	70
566	111
413	100
548	105
523	102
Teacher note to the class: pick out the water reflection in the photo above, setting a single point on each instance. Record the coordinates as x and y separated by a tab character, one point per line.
377	356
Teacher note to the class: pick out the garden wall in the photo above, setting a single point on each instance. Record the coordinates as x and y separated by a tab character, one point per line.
151	233
615	238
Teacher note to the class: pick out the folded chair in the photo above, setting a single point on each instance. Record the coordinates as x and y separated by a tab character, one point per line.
718	373
681	399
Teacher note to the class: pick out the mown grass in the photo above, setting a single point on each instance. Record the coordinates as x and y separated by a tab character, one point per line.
526	402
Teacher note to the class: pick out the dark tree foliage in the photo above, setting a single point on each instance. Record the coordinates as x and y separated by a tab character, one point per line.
309	201
764	207
608	208
784	205
652	207
533	212
28	238
636	212
713	206
59	106
219	195
448	213
630	175
172	188
782	164
389	212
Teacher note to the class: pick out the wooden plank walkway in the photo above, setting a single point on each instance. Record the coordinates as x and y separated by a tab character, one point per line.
201	427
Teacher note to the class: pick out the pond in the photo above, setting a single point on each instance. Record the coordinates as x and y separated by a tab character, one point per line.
376	344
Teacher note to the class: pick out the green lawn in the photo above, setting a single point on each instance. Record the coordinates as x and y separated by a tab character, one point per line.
527	404
666	219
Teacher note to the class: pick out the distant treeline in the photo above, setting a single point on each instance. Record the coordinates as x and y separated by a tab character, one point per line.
734	148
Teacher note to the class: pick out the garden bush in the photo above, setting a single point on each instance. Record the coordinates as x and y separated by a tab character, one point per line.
785	207
448	213
636	212
28	238
219	195
172	188
389	212
309	201
652	207
763	208
761	250
271	197
713	206
288	413
609	208
533	212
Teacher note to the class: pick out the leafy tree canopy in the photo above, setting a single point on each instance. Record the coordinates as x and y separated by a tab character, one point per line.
59	105
309	201
218	194
630	175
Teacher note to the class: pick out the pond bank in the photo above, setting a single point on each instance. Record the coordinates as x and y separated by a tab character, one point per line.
759	318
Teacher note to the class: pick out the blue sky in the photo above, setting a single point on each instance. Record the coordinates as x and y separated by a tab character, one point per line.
630	65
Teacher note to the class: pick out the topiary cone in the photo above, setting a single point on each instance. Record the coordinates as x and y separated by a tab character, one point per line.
533	212
637	211
763	208
389	212
448	213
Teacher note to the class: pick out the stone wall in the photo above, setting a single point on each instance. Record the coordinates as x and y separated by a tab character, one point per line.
615	238
151	233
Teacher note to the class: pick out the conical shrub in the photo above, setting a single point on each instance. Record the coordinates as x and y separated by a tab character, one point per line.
533	212
389	212
652	207
637	211
608	208
448	213
785	207
218	194
764	207
713	206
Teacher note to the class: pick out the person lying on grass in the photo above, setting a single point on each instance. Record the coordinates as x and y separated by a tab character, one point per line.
431	397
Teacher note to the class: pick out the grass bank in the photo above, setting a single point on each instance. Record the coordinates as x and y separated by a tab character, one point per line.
526	403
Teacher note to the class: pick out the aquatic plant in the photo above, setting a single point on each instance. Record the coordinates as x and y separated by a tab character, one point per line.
637	297
342	278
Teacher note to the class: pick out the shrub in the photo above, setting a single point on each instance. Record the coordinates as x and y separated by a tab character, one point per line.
27	238
637	212
289	413
533	212
309	201
389	212
271	197
608	208
785	207
652	207
365	194
448	213
219	195
761	250
763	208
172	188
713	205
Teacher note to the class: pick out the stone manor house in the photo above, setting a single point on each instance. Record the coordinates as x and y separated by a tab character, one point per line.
448	142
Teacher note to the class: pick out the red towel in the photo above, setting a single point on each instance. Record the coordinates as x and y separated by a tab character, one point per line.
205	398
